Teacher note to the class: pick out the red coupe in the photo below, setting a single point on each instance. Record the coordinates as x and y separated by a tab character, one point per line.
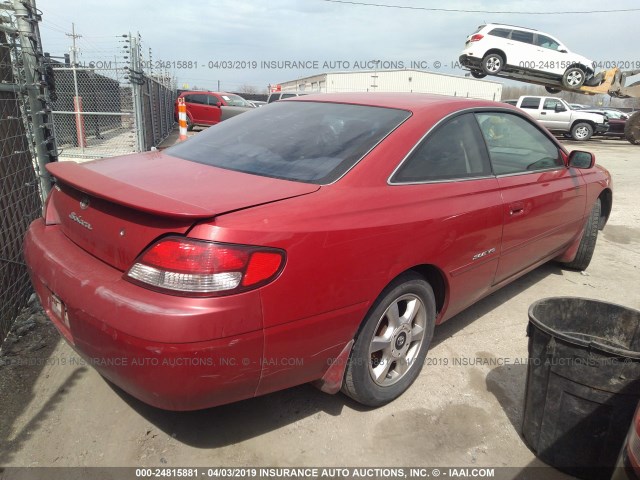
319	239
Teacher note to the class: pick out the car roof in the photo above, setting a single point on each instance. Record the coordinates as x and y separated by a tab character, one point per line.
402	101
192	92
513	26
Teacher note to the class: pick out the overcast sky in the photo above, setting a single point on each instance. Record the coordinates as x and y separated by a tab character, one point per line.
320	31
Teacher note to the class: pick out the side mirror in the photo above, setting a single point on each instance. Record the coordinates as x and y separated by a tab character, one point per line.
218	104
580	159
560	108
561	49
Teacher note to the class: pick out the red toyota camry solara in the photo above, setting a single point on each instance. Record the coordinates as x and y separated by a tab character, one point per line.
319	239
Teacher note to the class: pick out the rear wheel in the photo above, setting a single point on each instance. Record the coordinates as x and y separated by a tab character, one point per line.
552	90
189	124
492	64
588	240
632	129
573	77
392	343
581	131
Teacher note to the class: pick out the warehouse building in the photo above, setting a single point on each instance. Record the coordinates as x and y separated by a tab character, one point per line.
395	81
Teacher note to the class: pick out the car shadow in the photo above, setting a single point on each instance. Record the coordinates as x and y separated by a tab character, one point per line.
493	301
229	424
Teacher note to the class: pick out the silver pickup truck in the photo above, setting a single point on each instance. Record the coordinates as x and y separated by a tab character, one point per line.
557	116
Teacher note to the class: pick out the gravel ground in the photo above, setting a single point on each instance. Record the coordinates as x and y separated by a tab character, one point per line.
59	412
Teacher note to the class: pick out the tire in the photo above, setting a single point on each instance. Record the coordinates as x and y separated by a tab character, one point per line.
632	129
552	90
478	74
581	131
588	240
379	372
574	78
492	64
189	124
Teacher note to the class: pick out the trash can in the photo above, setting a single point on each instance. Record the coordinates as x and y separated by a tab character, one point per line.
583	383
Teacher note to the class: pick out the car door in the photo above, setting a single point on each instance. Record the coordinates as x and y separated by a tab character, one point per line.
213	111
196	107
551	59
447	181
543	200
552	119
522	51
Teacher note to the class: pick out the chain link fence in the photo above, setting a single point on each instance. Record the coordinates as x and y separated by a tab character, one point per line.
93	112
110	109
20	200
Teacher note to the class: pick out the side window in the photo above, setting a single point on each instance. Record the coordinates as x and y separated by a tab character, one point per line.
546	42
515	145
550	104
500	32
454	150
212	99
520	36
530	102
199	99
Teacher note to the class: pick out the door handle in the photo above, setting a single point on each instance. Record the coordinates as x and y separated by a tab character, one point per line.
543	113
516	208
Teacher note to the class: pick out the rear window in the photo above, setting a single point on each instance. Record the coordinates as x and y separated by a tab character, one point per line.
309	142
530	102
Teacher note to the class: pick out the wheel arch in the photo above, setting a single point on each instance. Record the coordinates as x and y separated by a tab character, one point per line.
606	200
498	51
435	277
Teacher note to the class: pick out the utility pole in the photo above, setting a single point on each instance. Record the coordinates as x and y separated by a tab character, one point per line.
77	101
27	29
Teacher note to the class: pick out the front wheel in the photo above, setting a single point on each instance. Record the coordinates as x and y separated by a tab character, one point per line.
573	77
581	131
552	90
392	344
478	74
588	240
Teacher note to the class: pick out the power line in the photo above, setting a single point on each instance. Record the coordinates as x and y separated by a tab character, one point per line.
460	10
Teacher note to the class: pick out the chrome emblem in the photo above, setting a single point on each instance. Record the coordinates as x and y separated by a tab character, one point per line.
76	218
84	203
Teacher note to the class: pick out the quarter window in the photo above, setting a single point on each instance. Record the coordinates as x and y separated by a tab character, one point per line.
453	151
500	32
515	145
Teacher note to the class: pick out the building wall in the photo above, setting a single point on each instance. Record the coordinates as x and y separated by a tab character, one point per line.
397	81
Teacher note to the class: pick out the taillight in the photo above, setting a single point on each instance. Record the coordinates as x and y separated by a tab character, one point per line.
476	37
185	266
633	443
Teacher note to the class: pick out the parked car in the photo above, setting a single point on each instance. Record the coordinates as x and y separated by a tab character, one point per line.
513	102
257	103
558	116
275	96
617	120
209	108
495	49
317	240
579	106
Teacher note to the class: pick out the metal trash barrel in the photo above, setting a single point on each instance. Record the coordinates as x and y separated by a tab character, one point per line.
583	383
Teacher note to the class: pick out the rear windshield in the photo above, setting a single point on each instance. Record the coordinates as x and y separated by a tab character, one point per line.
309	142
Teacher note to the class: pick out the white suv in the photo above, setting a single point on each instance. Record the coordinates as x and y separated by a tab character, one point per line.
522	53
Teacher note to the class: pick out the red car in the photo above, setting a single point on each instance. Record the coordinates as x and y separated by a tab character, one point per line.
205	108
320	239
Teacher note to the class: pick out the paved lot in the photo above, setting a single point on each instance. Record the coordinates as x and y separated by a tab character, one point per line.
454	415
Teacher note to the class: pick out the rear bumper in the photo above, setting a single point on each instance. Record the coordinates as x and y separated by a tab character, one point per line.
171	352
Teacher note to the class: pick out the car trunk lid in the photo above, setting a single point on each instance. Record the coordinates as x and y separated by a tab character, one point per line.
114	208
